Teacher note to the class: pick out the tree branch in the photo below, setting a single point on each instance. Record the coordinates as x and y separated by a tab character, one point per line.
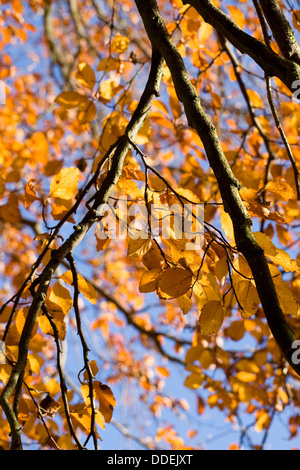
228	185
271	63
101	197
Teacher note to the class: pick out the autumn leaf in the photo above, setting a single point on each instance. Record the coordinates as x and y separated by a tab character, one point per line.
108	89
119	43
194	381
277	255
59	298
30	193
130	188
255	99
139	246
64	184
87	111
280	189
69	99
149	281
174	282
10	211
85	75
60	325
206	289
85	287
247	297
211	318
106	400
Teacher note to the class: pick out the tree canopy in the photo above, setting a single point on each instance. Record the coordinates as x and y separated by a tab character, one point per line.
149	217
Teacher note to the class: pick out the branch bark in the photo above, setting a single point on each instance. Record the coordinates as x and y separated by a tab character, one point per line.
281	30
228	184
271	63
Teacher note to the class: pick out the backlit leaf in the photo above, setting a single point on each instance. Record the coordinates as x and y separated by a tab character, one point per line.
69	99
280	189
64	184
85	287
211	318
119	43
174	282
194	381
149	280
85	75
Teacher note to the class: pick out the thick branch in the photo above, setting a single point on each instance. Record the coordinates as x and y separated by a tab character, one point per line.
281	30
228	185
273	65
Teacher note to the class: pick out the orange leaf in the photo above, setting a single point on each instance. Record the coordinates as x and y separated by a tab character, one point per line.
86	75
60	298
69	99
280	189
148	281
119	43
30	194
85	287
211	318
174	282
106	400
64	184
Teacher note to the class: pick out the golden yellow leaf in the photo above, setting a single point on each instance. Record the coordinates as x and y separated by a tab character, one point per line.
163	371
69	99
108	64
30	194
227	225
174	282
87	111
188	196
86	75
236	330
211	318
255	99
10	211
58	211
285	261
139	246
246	365
119	43
46	327
108	89
246	376
277	255
194	381
247	297
5	372
265	243
221	269
59	298
83	418
130	188
206	289
20	321
106	400
262	421
193	354
237	16
64	184
148	281
286	299
185	303
85	287
280	189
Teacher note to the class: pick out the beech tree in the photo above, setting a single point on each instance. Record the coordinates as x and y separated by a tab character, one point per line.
149	220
